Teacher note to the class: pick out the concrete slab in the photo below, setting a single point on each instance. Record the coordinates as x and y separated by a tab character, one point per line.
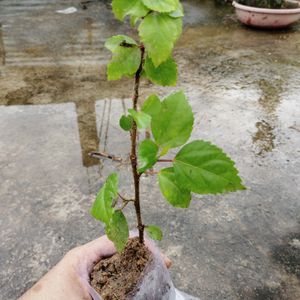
56	106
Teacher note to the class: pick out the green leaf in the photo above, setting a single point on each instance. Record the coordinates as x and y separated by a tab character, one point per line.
152	105
102	208
154	232
117	230
205	169
147	155
173	125
164	151
122	8
125	62
142	119
176	195
165	74
112	183
133	20
159	33
178	13
113	42
126	122
161	5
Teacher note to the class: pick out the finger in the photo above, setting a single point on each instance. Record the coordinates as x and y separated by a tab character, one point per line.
152	247
86	256
167	260
99	248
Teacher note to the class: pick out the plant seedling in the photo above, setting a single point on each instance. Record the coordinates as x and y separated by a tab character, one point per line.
199	166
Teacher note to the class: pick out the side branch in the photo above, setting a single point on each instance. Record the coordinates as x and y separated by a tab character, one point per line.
165	160
150	172
101	155
125	199
125	202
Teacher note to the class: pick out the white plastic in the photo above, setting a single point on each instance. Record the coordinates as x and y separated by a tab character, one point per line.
67	11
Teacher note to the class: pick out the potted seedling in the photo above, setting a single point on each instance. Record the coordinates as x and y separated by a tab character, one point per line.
200	167
267	13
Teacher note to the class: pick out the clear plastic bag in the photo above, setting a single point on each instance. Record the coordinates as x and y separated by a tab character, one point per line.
155	283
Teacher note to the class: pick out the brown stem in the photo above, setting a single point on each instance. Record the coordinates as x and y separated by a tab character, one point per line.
133	154
100	155
150	172
165	160
125	199
125	202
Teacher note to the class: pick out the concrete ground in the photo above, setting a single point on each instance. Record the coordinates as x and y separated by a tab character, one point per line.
56	106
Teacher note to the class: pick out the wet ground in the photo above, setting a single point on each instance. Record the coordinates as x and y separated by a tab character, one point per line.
56	106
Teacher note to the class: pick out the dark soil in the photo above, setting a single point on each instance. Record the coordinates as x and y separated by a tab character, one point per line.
115	277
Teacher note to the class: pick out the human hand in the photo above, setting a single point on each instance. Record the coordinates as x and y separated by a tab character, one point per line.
69	279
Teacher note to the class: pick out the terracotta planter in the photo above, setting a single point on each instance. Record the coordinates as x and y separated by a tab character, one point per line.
266	17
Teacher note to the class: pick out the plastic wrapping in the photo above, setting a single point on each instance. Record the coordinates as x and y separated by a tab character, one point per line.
155	283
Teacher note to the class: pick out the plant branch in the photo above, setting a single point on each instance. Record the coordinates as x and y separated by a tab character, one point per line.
125	202
165	160
133	154
151	172
101	155
125	199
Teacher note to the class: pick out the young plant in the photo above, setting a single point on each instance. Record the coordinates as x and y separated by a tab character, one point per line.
199	167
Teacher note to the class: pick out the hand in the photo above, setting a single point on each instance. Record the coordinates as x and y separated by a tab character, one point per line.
70	277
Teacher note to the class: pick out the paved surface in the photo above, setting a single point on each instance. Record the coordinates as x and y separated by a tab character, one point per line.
56	106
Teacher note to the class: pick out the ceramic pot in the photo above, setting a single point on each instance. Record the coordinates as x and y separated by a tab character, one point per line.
266	17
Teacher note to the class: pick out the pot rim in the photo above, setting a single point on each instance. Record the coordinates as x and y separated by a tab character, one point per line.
283	11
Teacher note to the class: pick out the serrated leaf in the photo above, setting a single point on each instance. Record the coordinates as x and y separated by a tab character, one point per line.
176	195
122	8
126	122
113	42
102	208
154	232
152	105
165	74
142	119
125	62
112	183
178	13
117	230
206	169
159	32
173	125
161	6
147	155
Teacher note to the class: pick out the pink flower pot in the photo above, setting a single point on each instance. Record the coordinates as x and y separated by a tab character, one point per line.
266	17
